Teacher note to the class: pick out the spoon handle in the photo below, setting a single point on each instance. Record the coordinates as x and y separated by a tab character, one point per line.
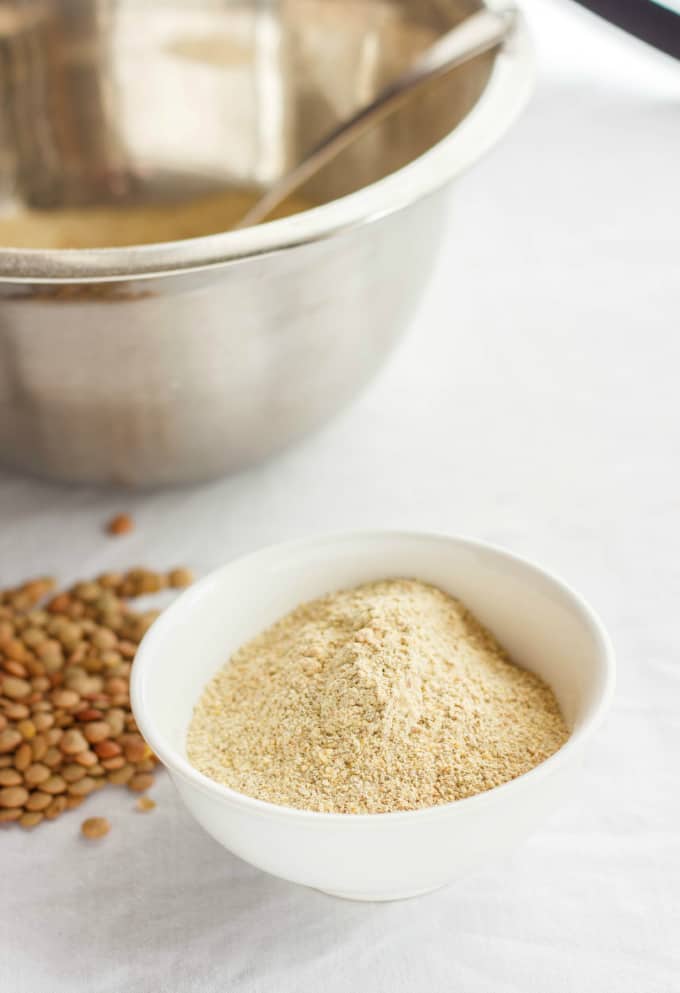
478	33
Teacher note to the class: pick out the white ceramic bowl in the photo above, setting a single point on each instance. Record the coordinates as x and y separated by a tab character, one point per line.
544	625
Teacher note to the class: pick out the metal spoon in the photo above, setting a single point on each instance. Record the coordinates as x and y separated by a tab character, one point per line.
478	33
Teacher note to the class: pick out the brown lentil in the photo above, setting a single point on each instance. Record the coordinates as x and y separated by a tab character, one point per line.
13	796
104	639
16	711
65	698
14	668
179	578
86	759
23	757
95	827
122	776
10	777
115	718
32	637
141	782
82	787
89	714
38	800
146	765
53	757
27	729
87	592
117	762
15	688
58	806
72	772
9	739
14	649
136	749
120	524
107	749
36	774
38	747
31	819
97	731
55	784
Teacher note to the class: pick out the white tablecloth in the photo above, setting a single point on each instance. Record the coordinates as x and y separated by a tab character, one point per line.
534	404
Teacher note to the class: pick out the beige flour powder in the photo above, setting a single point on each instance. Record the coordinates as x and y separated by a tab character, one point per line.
390	696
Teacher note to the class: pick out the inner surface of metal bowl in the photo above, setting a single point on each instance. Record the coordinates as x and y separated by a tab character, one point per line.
181	360
120	102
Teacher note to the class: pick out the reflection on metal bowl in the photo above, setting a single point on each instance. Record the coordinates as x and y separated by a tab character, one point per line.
179	361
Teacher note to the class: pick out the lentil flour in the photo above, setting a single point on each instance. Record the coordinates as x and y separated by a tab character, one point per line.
390	696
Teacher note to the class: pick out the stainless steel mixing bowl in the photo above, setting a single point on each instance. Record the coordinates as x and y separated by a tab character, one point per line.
180	361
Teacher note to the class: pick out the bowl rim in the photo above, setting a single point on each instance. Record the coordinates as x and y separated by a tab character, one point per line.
502	99
180	766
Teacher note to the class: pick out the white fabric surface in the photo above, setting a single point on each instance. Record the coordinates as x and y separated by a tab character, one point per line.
534	404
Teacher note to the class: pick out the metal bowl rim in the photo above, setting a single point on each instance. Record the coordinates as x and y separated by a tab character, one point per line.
504	96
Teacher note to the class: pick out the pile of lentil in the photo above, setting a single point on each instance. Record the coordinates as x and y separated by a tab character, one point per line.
66	728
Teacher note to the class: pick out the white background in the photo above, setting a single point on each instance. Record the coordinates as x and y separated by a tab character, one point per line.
534	404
